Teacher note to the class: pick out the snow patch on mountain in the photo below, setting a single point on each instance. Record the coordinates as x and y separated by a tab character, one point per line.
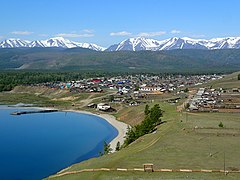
141	43
131	44
52	42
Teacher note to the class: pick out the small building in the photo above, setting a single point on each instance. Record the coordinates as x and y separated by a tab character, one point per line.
149	89
148	167
235	90
96	80
103	106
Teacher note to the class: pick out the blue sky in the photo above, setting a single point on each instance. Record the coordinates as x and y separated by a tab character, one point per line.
106	22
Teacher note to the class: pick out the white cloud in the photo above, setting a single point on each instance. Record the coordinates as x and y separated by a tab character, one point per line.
121	33
21	32
152	34
73	35
1	37
43	35
174	31
88	30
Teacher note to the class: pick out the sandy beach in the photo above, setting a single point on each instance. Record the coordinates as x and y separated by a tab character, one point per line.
120	126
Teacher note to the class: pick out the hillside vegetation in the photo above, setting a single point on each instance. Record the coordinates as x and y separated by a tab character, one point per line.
178	61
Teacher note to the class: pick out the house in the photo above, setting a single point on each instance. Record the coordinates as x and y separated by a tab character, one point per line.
96	80
149	89
103	106
235	90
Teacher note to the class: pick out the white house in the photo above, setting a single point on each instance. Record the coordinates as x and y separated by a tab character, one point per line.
148	89
103	106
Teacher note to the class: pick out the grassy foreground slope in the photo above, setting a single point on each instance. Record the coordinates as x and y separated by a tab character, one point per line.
185	141
153	176
176	145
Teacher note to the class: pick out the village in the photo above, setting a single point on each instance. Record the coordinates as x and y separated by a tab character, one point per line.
132	89
215	100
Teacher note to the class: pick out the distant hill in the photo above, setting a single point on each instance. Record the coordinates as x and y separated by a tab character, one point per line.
190	60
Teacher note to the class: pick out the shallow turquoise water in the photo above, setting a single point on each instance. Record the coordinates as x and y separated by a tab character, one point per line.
34	146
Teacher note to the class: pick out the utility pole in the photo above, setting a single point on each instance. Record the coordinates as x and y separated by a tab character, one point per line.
210	148
186	116
224	163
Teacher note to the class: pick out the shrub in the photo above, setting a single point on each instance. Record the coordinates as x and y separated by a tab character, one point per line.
220	125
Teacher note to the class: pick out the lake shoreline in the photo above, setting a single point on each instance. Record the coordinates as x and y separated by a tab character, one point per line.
120	126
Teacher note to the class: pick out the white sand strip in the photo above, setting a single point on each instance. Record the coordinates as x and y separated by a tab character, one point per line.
120	126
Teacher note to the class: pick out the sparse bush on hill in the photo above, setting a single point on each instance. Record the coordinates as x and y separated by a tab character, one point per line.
220	125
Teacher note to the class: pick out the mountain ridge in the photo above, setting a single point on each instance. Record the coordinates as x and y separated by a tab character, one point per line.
141	43
131	44
59	42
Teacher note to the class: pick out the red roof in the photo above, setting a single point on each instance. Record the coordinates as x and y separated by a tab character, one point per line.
96	80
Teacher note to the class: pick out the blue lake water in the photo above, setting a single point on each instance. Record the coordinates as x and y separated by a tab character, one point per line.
34	146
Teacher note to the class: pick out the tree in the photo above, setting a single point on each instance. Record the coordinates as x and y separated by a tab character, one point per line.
106	148
151	120
187	106
130	136
136	88
111	98
155	114
118	146
146	111
238	76
186	90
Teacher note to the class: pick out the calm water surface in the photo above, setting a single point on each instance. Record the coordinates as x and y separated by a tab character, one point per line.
34	146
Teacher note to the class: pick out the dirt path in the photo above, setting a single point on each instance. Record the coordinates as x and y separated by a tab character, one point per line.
141	169
88	100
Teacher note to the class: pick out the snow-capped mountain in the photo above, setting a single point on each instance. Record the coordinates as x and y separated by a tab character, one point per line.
12	43
131	44
52	42
141	43
135	44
